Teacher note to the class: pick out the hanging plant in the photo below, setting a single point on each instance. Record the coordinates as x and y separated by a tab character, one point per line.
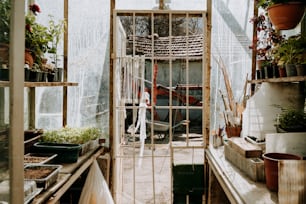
284	14
266	39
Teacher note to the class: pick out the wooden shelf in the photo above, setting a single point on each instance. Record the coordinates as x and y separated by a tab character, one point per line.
41	84
281	79
237	186
69	173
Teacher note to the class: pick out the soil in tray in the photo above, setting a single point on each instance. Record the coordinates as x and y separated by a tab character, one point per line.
34	159
37	172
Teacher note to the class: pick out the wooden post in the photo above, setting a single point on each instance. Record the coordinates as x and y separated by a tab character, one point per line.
32	107
206	77
254	50
161	4
65	88
111	103
16	101
292	181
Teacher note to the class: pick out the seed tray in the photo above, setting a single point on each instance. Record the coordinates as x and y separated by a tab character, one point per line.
38	158
43	174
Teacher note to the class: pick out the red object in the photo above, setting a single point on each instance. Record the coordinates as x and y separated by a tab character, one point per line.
285	16
155	71
271	167
34	8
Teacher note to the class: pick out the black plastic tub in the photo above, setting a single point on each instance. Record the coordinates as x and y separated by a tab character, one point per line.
66	153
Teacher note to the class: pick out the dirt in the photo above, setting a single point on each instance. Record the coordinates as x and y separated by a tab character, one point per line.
34	159
37	172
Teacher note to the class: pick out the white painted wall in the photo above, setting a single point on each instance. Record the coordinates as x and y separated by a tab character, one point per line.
261	112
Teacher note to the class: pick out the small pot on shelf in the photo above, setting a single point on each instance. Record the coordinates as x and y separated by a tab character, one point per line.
290	70
282	71
4	74
301	69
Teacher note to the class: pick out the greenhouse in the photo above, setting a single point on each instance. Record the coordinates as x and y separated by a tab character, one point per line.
152	101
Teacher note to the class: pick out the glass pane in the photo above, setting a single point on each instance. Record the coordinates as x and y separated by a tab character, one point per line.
4	97
4	132
161	25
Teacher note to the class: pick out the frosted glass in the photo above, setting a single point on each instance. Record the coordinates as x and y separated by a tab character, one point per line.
88	65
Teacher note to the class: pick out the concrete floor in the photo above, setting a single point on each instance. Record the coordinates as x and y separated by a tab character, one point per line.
152	172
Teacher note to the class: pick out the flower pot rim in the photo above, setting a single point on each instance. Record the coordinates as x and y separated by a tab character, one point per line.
292	156
287	3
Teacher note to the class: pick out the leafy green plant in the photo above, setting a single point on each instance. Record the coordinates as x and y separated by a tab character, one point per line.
37	38
266	3
5	9
290	50
42	39
71	135
291	120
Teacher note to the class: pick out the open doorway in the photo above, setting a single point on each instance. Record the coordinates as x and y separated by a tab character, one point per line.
159	106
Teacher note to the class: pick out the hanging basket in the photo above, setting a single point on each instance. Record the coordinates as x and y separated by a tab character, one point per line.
286	16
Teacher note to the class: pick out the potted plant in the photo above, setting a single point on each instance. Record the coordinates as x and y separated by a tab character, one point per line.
85	136
284	14
264	42
291	120
301	56
5	8
289	53
41	39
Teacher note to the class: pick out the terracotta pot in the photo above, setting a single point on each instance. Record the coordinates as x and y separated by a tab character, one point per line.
4	53
286	16
28	58
271	167
233	131
282	71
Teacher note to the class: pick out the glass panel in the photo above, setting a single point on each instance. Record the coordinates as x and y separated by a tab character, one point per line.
5	9
4	131
4	141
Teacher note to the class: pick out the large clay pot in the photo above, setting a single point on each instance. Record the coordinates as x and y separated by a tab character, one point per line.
286	16
271	167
